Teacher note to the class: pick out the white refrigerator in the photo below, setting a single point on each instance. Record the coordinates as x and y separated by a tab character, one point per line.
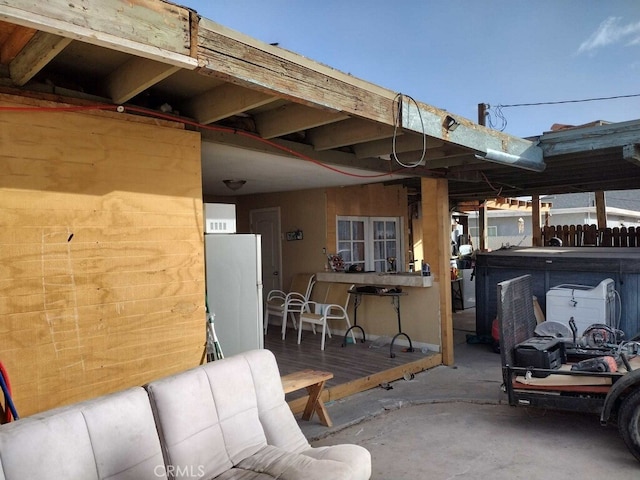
234	290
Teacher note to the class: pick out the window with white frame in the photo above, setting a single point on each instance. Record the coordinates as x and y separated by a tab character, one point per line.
492	231
352	233
371	243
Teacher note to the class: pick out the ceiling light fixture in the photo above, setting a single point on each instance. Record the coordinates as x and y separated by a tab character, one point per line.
233	184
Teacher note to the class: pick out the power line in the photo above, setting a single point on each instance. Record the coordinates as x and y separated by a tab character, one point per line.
500	121
569	101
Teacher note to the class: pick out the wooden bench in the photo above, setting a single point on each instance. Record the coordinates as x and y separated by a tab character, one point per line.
313	381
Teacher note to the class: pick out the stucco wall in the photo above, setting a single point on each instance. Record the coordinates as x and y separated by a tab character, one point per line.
314	212
304	210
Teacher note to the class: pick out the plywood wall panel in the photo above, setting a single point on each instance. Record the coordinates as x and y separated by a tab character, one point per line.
98	184
101	253
105	206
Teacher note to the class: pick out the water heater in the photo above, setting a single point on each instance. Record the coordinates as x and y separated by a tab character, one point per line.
585	304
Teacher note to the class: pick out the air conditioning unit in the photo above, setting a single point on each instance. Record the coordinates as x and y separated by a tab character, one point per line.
585	304
219	218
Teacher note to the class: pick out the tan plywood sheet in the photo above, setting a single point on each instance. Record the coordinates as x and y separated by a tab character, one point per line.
101	254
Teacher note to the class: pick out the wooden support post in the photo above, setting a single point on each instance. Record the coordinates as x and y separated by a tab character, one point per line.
601	209
483	223
436	240
464	221
535	221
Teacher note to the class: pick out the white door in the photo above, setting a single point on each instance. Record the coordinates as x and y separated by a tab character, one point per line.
266	222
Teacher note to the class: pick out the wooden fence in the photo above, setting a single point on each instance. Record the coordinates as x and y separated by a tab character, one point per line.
592	236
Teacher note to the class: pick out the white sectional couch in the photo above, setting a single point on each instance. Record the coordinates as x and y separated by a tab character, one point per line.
225	420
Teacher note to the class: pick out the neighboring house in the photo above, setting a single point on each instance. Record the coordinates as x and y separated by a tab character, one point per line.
505	228
512	228
622	207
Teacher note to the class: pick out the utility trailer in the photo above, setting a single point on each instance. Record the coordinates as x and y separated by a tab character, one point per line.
533	379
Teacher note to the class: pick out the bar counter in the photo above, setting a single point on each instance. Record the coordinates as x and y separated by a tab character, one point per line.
402	279
420	306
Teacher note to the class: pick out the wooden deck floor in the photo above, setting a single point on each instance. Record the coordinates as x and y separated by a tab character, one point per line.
356	367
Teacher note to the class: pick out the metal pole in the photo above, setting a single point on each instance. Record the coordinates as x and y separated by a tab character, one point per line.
483	214
482	114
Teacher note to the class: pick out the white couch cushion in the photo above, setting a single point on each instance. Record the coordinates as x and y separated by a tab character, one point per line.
358	458
228	419
188	424
284	465
281	427
208	416
111	437
279	424
48	446
234	393
124	436
241	474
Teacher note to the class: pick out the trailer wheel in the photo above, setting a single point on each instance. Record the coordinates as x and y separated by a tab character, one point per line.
629	422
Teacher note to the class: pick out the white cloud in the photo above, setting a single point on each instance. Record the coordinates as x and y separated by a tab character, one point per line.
612	31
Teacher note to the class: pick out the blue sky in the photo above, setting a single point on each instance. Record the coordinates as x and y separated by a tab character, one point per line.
456	54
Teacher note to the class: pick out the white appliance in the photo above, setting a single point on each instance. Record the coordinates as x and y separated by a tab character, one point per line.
586	304
234	290
468	288
219	218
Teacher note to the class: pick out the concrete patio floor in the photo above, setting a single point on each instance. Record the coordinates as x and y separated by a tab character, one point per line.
454	422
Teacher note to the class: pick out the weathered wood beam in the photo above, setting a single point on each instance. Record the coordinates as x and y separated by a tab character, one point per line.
42	48
631	153
238	58
441	158
225	101
16	41
348	132
147	28
135	76
434	159
502	203
559	187
599	137
490	145
294	117
405	142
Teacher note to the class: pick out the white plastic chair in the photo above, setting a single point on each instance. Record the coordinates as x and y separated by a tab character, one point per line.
286	305
334	307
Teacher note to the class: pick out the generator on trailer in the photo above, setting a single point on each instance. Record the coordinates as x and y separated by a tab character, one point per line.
563	373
